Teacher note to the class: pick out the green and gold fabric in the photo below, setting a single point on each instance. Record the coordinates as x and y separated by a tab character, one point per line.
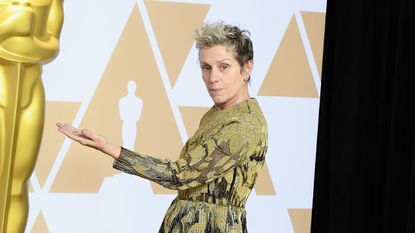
215	173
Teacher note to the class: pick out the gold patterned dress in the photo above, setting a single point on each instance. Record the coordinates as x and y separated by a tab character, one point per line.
214	174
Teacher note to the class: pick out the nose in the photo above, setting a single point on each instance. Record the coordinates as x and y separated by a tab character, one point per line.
214	75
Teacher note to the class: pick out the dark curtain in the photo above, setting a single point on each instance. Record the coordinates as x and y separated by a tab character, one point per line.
365	161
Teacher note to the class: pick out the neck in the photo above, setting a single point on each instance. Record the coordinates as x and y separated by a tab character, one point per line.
234	101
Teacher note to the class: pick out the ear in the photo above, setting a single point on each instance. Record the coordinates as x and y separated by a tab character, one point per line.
249	65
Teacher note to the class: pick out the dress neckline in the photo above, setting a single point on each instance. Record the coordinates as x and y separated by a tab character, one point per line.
241	106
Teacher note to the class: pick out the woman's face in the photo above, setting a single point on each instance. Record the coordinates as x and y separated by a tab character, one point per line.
224	78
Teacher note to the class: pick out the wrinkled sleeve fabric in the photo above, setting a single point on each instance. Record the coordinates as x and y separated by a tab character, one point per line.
235	141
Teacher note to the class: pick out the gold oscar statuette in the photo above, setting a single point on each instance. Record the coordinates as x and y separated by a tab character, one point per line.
29	38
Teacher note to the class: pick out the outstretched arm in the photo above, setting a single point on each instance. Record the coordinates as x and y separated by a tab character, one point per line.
211	159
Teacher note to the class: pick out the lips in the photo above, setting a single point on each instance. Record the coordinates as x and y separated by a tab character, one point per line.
215	90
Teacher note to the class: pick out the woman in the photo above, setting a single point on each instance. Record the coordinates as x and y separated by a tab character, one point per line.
219	164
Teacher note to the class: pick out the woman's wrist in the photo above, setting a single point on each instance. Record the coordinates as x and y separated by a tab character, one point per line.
113	151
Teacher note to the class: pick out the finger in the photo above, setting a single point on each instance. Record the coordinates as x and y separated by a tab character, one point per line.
66	130
84	137
85	142
78	137
95	140
89	134
71	132
70	128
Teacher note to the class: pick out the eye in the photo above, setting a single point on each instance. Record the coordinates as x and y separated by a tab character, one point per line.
205	67
223	66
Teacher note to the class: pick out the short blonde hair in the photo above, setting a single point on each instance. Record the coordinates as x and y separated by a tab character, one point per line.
219	33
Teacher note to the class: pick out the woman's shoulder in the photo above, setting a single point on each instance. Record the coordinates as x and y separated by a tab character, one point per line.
250	111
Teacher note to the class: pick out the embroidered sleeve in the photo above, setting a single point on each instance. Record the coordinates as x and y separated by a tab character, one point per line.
235	141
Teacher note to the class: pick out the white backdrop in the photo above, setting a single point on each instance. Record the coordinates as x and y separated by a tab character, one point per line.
287	37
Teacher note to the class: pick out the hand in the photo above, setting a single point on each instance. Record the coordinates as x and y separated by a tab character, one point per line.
87	138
